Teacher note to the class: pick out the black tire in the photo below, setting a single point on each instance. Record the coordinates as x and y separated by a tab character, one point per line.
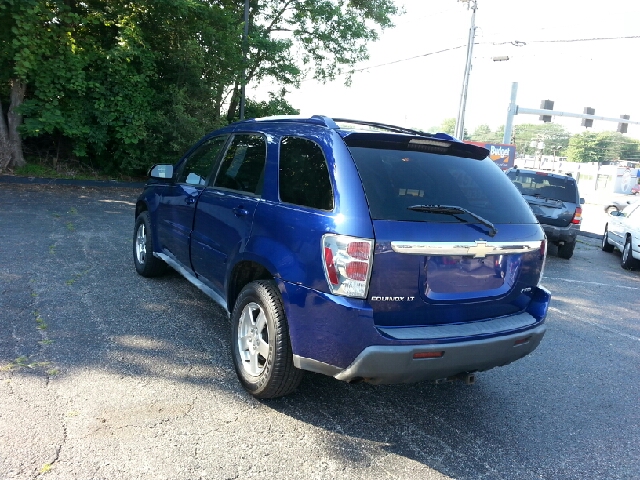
258	322
606	246
627	261
145	262
566	251
611	208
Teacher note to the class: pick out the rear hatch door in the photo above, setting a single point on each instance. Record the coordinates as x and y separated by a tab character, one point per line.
454	240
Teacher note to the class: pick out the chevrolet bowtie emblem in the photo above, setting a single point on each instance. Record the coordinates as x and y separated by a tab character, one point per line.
480	249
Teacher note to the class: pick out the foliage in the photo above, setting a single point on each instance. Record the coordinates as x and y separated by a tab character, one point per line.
554	137
123	84
448	126
277	105
484	134
602	147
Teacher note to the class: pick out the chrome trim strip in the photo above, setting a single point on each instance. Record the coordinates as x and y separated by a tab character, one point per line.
477	249
193	279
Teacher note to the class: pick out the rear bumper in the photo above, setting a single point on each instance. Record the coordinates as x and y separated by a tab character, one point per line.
561	234
336	336
396	364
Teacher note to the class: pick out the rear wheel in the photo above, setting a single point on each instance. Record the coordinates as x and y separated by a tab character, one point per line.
262	354
606	246
611	208
146	263
566	251
628	262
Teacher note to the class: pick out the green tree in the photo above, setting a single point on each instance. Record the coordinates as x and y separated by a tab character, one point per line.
448	126
554	136
277	105
583	148
121	84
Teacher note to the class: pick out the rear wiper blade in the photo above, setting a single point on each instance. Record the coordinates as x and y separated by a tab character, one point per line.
454	210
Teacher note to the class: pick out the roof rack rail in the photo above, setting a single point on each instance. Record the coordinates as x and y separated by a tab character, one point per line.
332	123
384	126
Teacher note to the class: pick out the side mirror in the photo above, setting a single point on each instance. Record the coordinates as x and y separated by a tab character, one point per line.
581	201
161	172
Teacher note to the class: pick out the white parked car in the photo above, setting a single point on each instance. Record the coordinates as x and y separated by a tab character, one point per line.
623	231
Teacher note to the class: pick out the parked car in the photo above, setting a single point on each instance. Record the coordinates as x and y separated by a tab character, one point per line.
555	201
372	253
622	231
635	190
616	204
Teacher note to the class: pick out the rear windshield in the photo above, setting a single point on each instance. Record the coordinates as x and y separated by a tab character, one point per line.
397	179
556	188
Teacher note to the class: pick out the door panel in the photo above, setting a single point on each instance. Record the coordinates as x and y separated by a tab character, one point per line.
177	204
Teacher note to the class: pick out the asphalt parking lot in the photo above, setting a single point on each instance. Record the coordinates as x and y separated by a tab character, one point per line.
108	375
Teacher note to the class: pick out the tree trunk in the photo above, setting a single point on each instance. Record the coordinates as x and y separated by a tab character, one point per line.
233	104
5	147
18	89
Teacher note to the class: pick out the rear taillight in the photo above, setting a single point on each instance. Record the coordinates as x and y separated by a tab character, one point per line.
577	217
347	263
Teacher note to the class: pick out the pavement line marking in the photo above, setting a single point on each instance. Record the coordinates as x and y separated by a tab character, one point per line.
598	325
591	283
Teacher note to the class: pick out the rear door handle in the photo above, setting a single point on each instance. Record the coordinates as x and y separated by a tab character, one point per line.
240	211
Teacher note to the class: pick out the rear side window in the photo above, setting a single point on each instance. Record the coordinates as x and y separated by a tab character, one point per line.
242	167
532	183
303	174
395	180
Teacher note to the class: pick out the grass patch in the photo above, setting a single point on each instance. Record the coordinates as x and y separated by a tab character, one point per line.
52	249
70	226
46	341
23	362
46	468
40	323
68	169
73	211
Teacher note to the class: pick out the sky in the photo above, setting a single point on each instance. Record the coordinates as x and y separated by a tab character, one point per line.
423	91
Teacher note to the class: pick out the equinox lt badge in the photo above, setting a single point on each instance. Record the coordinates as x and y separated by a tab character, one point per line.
392	299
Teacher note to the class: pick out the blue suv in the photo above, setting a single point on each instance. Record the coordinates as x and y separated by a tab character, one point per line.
364	251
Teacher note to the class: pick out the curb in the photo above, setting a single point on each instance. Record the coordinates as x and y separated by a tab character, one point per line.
590	235
65	181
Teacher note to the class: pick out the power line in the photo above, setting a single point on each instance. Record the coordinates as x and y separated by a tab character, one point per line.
508	42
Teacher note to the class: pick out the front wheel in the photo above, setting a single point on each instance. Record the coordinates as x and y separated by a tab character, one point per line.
606	246
261	348
145	262
628	262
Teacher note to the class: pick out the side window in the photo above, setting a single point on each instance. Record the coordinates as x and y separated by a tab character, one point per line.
303	174
195	169
242	167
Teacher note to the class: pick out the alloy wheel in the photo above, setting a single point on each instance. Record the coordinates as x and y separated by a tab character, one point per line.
253	339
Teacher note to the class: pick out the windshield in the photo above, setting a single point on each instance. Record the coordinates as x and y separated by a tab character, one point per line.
395	180
546	186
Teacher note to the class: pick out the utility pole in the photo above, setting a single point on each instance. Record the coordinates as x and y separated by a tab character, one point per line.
245	41
459	133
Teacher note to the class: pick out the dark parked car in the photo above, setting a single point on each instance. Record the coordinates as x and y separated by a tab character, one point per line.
555	201
372	253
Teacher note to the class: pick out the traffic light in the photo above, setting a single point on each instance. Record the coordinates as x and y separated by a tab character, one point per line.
587	122
547	105
622	127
